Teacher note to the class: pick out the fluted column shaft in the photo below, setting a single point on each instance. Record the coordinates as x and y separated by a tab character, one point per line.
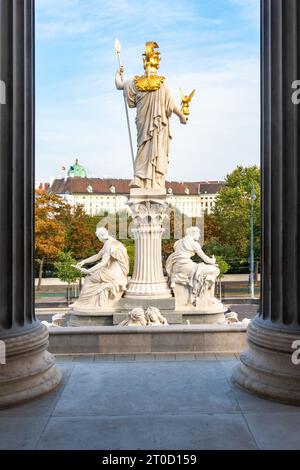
16	166
29	369
280	163
268	367
148	280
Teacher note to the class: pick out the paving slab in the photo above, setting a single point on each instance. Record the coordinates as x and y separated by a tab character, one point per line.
206	431
20	433
250	403
44	405
278	431
136	388
144	403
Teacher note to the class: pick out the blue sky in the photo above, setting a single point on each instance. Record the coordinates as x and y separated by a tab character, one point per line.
210	45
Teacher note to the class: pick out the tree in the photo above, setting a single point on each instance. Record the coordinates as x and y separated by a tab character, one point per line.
223	266
81	241
65	270
50	232
231	217
211	229
214	247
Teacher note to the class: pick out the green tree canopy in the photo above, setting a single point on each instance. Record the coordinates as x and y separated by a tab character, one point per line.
231	217
65	268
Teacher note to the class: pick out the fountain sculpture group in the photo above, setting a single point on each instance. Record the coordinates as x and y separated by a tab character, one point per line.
187	292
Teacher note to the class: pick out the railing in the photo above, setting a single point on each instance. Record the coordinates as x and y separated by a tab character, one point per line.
234	285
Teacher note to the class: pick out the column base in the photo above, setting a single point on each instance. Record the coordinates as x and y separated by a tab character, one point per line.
266	368
30	370
148	290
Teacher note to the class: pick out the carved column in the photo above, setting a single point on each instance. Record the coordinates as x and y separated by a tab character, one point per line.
148	212
267	367
29	370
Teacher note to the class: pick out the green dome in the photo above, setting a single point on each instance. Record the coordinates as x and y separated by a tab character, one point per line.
77	170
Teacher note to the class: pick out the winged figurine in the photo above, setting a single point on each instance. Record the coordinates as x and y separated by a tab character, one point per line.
185	102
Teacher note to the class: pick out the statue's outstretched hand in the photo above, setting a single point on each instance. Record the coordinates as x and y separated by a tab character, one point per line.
84	270
121	70
183	119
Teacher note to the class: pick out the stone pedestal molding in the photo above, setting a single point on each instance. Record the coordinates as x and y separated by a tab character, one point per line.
29	370
267	367
148	280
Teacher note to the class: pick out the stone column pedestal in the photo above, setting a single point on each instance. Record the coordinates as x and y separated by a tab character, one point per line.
29	369
266	367
269	367
148	208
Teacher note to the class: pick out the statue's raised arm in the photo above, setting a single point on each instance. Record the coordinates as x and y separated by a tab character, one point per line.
119	78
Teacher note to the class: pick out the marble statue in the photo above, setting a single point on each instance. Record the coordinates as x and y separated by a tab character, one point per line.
197	280
151	97
107	279
231	318
154	317
57	320
135	318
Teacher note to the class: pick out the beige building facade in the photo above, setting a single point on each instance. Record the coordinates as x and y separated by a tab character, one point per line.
99	195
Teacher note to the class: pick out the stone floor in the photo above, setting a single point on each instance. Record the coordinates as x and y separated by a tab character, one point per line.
149	402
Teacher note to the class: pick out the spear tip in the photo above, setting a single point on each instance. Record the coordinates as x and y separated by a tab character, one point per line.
117	46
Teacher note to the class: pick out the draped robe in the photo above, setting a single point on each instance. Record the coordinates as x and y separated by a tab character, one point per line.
107	279
183	270
153	112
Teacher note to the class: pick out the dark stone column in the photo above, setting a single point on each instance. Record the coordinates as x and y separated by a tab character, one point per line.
267	367
29	369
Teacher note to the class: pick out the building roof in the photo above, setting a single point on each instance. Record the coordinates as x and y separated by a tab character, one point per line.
77	170
194	187
79	185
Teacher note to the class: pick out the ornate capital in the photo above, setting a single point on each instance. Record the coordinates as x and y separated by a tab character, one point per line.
148	212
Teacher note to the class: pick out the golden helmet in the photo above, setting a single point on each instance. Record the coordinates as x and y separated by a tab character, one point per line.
151	58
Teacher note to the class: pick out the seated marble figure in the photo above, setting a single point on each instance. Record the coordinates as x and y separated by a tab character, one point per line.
106	281
193	283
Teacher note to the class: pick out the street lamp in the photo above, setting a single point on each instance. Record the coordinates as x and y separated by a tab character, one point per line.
251	277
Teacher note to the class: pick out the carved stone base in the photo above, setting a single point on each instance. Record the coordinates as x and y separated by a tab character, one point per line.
30	370
112	304
183	302
266	368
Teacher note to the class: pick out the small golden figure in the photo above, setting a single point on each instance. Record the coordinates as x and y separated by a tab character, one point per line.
185	102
